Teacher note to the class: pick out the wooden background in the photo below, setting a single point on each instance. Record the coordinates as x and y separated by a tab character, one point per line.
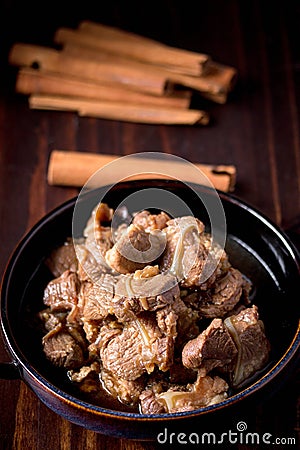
257	130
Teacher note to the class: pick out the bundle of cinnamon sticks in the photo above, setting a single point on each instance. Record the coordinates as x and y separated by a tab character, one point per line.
105	72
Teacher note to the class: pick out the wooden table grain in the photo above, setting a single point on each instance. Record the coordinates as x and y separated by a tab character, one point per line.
257	130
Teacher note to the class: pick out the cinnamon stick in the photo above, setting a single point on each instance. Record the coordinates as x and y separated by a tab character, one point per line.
120	111
217	81
31	81
141	48
132	76
67	168
99	35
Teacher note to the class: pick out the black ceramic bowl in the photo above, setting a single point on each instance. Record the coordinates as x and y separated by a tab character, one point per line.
255	245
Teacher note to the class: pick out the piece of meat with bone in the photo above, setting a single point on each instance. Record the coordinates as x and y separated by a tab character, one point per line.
62	292
248	333
137	349
214	347
100	216
98	235
149	221
185	254
222	297
135	249
205	391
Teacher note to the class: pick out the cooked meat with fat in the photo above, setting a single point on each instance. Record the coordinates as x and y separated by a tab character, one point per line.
238	346
51	320
79	375
137	349
222	297
150	404
144	294
217	263
253	347
146	272
120	351
135	249
213	348
167	321
62	349
62	292
87	378
96	299
126	296
91	329
185	254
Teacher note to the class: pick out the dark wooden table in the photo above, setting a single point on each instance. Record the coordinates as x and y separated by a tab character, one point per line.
258	130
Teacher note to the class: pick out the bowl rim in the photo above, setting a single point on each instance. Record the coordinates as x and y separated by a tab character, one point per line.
22	361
